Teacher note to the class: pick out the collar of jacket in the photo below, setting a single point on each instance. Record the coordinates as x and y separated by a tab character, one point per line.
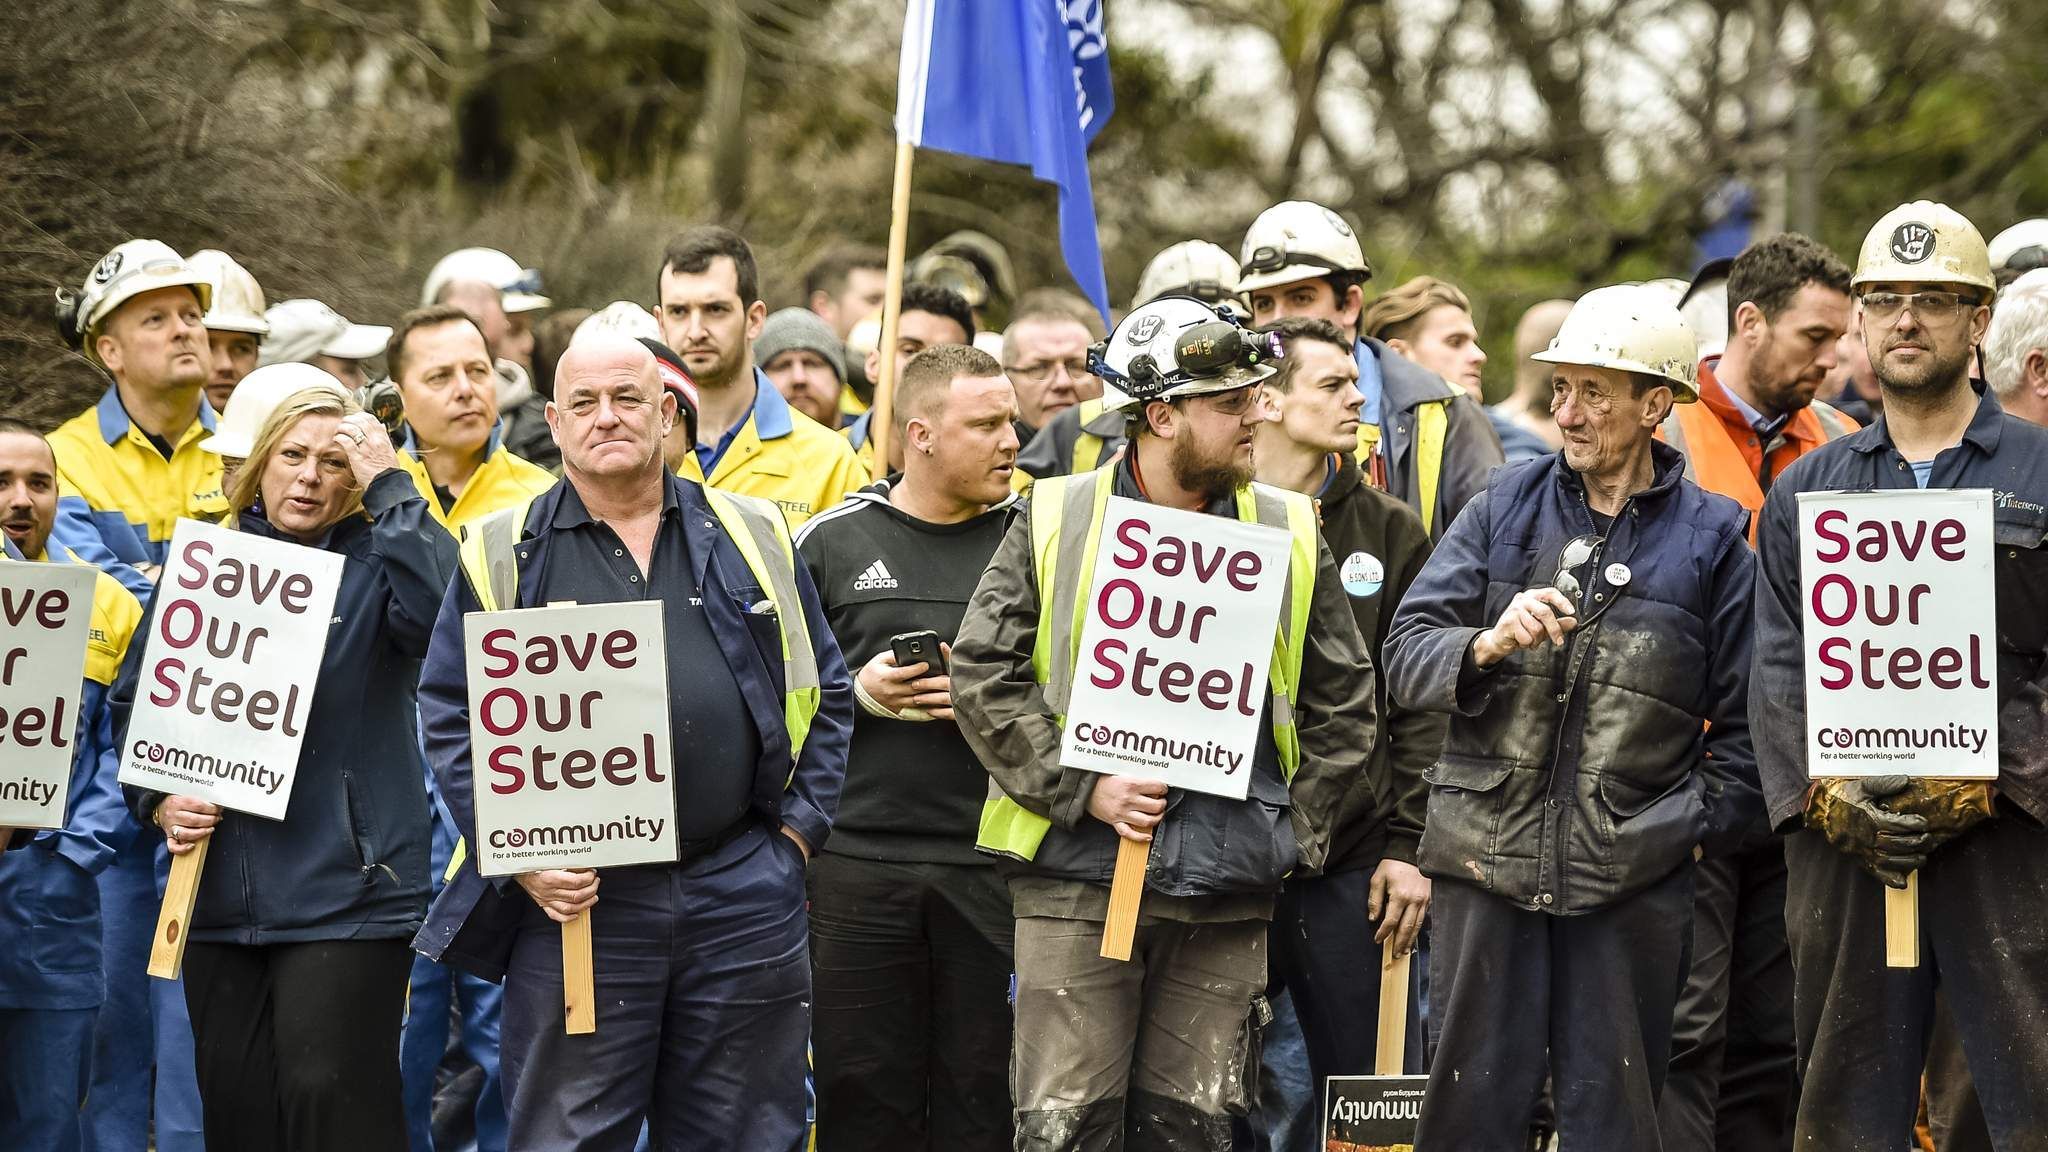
1801	428
684	496
1344	484
1667	466
114	421
1126	485
1406	385
1983	432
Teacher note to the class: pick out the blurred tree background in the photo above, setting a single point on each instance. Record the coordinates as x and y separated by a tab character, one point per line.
1520	148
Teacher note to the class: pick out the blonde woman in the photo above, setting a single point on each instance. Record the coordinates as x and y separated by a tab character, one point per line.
296	967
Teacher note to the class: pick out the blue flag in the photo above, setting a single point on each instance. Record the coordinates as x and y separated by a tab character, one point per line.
1018	82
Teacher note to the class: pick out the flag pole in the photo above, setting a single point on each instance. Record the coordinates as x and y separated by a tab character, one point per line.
879	424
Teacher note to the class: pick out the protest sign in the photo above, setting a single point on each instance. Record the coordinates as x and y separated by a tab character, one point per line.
569	735
1900	602
228	670
1901	633
47	613
1371	1113
1176	640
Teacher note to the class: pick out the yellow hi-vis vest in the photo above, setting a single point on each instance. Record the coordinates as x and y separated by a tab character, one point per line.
1432	428
491	561
1065	564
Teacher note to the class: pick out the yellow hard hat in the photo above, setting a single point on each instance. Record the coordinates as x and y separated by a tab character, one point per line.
1924	242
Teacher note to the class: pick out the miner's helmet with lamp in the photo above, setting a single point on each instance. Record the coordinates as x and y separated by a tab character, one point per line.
1299	240
1630	328
132	268
1176	347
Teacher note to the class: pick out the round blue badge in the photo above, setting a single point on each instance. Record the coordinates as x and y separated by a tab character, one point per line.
1362	574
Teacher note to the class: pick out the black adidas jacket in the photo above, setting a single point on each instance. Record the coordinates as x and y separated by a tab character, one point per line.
913	790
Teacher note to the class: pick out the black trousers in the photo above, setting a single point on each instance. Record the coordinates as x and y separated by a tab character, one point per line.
1595	990
1323	953
910	966
1734	1078
297	1044
1863	1028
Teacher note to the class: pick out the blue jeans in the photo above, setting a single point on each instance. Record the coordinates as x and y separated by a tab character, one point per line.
438	990
45	1067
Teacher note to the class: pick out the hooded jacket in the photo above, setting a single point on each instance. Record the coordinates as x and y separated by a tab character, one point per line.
1576	776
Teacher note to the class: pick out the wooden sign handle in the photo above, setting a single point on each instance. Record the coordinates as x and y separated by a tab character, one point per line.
174	920
1902	924
1393	1039
1126	888
579	995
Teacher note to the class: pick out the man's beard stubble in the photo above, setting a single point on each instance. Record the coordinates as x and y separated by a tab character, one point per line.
1937	373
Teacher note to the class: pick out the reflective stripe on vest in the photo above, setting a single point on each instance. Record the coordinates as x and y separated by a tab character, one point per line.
1064	563
1432	428
1087	445
755	526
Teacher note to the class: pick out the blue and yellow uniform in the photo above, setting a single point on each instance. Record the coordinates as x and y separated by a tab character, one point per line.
501	481
51	982
780	455
121	493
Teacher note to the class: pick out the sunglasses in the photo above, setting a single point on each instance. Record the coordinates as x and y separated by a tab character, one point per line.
1576	552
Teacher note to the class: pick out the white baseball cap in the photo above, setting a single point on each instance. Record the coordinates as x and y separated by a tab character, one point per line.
302	329
519	285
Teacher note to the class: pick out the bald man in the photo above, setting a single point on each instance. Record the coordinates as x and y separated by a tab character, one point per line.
702	965
1527	412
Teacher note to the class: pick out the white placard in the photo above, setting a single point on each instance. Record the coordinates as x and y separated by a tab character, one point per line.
1176	641
1901	633
229	668
569	737
232	658
45	621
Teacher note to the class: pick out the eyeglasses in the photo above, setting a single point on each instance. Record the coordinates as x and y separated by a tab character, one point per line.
1039	373
1884	307
1236	402
1576	552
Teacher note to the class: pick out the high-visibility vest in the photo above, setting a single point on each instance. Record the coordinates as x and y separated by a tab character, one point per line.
1065	565
1432	428
1714	461
490	558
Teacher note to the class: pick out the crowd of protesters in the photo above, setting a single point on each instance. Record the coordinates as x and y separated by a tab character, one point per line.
1537	710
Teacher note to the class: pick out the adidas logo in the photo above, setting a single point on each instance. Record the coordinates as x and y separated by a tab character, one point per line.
876	576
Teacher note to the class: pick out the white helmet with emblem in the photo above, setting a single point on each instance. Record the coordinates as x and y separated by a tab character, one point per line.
237	299
1633	328
132	268
1298	240
1178	346
1924	242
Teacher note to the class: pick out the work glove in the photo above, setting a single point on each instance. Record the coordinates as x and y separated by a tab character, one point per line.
1950	807
1856	817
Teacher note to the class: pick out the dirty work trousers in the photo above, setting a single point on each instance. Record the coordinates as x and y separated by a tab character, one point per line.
1733	1079
703	982
1863	1028
911	965
1595	989
1155	1053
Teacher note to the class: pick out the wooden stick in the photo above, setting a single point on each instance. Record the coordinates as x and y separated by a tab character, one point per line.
879	426
1126	888
579	994
1902	924
1393	1041
174	920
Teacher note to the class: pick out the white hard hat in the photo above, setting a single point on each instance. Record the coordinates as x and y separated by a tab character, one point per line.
1190	268
237	298
1150	355
1298	240
132	268
1924	242
521	286
2027	240
258	395
620	316
303	329
1634	328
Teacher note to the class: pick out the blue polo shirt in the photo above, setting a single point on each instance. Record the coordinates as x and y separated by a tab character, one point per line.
714	742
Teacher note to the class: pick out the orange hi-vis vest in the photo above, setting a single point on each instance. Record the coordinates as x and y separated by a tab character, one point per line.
1723	453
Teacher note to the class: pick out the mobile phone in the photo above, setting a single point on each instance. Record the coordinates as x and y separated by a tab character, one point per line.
918	648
